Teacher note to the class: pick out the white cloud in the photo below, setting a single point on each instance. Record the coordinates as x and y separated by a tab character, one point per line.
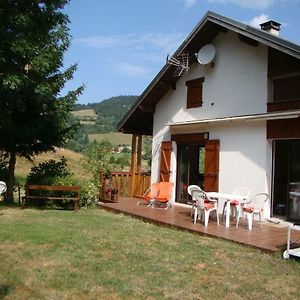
131	70
256	21
188	3
133	43
103	41
247	3
133	55
167	42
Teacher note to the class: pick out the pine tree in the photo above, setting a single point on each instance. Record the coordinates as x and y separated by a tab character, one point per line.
34	36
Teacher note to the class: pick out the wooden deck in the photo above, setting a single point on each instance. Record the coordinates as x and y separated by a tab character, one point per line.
268	238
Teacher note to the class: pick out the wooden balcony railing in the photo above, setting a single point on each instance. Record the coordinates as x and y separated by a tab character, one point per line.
121	181
283	105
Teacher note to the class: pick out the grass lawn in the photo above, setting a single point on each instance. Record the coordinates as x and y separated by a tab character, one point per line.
94	254
116	138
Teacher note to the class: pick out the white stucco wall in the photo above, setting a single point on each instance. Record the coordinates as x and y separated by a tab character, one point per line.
237	85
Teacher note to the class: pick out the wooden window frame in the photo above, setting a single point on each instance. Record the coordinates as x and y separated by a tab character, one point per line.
194	93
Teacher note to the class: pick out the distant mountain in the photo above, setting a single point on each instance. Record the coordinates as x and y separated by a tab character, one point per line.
98	119
108	113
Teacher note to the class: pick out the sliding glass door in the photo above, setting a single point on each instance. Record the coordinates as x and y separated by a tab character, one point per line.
286	187
190	169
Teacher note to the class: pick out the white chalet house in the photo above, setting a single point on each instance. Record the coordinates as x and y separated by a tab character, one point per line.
232	122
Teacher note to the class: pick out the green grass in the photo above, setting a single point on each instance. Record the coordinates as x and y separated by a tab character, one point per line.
116	138
94	254
87	122
85	113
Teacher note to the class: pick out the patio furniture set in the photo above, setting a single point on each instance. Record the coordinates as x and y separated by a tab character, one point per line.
237	204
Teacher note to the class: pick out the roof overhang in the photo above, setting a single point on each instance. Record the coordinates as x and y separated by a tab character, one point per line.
282	115
139	119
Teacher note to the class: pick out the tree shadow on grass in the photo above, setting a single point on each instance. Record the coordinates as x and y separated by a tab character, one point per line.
5	289
9	205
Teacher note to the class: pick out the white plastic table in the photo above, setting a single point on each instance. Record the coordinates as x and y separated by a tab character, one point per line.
228	198
289	251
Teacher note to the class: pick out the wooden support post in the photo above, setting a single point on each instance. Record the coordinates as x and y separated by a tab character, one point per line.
133	164
139	154
138	179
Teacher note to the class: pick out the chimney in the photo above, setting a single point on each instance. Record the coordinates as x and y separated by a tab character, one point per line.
271	27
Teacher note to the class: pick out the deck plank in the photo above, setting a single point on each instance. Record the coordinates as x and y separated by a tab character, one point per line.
268	238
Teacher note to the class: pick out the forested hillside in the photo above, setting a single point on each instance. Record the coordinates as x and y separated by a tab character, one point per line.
108	112
99	118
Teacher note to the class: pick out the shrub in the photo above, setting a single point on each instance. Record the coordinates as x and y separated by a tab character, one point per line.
89	195
47	172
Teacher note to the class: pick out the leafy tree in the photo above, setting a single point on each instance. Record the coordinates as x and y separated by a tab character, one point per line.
112	160
126	149
98	156
147	149
35	117
123	161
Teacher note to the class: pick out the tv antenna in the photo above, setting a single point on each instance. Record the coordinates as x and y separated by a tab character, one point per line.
181	62
206	54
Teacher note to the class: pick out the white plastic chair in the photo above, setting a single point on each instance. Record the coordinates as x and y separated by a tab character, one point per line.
204	204
3	187
235	204
190	189
254	206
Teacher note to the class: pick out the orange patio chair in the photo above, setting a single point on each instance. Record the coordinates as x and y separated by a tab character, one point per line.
163	197
150	194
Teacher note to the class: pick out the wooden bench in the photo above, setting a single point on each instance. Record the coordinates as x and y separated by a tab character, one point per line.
57	192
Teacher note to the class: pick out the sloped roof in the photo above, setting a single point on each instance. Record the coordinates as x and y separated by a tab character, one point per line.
139	119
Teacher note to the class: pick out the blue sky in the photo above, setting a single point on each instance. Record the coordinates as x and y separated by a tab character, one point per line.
120	45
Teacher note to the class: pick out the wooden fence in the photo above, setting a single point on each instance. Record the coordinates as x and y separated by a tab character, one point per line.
121	181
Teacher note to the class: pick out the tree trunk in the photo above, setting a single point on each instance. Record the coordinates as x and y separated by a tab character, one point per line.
11	179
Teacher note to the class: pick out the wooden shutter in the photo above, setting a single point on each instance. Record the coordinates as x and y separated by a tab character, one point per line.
165	160
283	129
194	93
211	175
286	89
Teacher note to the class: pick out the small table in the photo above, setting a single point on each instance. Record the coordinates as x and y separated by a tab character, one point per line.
228	198
296	251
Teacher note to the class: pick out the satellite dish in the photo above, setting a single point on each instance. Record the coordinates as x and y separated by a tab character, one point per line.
206	54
